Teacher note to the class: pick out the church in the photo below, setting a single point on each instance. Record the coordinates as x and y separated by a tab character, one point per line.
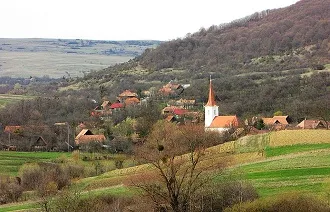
214	122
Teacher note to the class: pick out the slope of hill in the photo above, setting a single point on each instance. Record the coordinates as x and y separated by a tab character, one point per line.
61	57
269	61
301	32
301	166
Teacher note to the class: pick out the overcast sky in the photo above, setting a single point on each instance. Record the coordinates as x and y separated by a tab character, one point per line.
121	19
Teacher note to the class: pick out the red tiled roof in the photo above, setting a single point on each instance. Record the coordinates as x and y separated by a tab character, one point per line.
132	100
117	105
276	120
312	124
84	132
211	100
281	119
166	90
268	121
169	109
179	111
90	138
224	122
128	93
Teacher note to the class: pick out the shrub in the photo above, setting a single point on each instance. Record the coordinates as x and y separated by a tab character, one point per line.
37	176
218	197
10	190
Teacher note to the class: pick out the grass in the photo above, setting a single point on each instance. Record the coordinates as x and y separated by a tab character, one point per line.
19	206
10	162
303	165
283	150
291	137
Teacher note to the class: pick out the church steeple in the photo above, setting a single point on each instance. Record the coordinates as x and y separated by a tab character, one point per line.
211	108
211	100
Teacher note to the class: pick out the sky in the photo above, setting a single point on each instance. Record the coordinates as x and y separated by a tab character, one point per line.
121	19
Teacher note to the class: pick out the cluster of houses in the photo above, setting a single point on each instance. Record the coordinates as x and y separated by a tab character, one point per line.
181	111
124	99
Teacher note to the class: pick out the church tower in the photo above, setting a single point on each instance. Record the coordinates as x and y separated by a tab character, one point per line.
211	108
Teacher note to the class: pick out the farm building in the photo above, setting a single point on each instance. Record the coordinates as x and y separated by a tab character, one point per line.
314	124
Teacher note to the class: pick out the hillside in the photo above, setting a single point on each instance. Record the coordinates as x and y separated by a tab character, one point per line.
62	57
300	31
301	166
269	61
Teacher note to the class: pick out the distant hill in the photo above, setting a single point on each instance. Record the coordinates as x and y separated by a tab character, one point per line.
65	57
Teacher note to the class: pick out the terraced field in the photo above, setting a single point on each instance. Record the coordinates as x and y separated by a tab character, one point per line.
10	162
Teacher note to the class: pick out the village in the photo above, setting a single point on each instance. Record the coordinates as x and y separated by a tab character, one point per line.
178	110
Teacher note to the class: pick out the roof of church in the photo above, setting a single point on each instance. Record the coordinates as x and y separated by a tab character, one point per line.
224	122
211	100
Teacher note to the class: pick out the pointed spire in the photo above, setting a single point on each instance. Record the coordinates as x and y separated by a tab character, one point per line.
211	100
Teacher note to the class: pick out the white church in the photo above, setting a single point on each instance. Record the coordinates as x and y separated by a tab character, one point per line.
214	122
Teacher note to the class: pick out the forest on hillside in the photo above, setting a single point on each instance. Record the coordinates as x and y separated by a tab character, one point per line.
301	31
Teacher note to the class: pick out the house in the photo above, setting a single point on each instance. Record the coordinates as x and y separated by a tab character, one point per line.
179	112
117	106
85	139
131	101
125	95
168	110
214	122
277	122
38	143
85	136
171	88
314	124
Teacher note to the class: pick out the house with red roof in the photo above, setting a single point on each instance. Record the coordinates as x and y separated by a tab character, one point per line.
277	122
171	88
314	124
86	136
117	106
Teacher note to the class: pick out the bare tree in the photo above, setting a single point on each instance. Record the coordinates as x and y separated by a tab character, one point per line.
176	152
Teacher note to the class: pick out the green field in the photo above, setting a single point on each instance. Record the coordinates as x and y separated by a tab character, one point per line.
302	167
10	161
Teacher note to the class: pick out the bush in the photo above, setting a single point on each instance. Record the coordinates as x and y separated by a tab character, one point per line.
218	197
10	190
38	176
